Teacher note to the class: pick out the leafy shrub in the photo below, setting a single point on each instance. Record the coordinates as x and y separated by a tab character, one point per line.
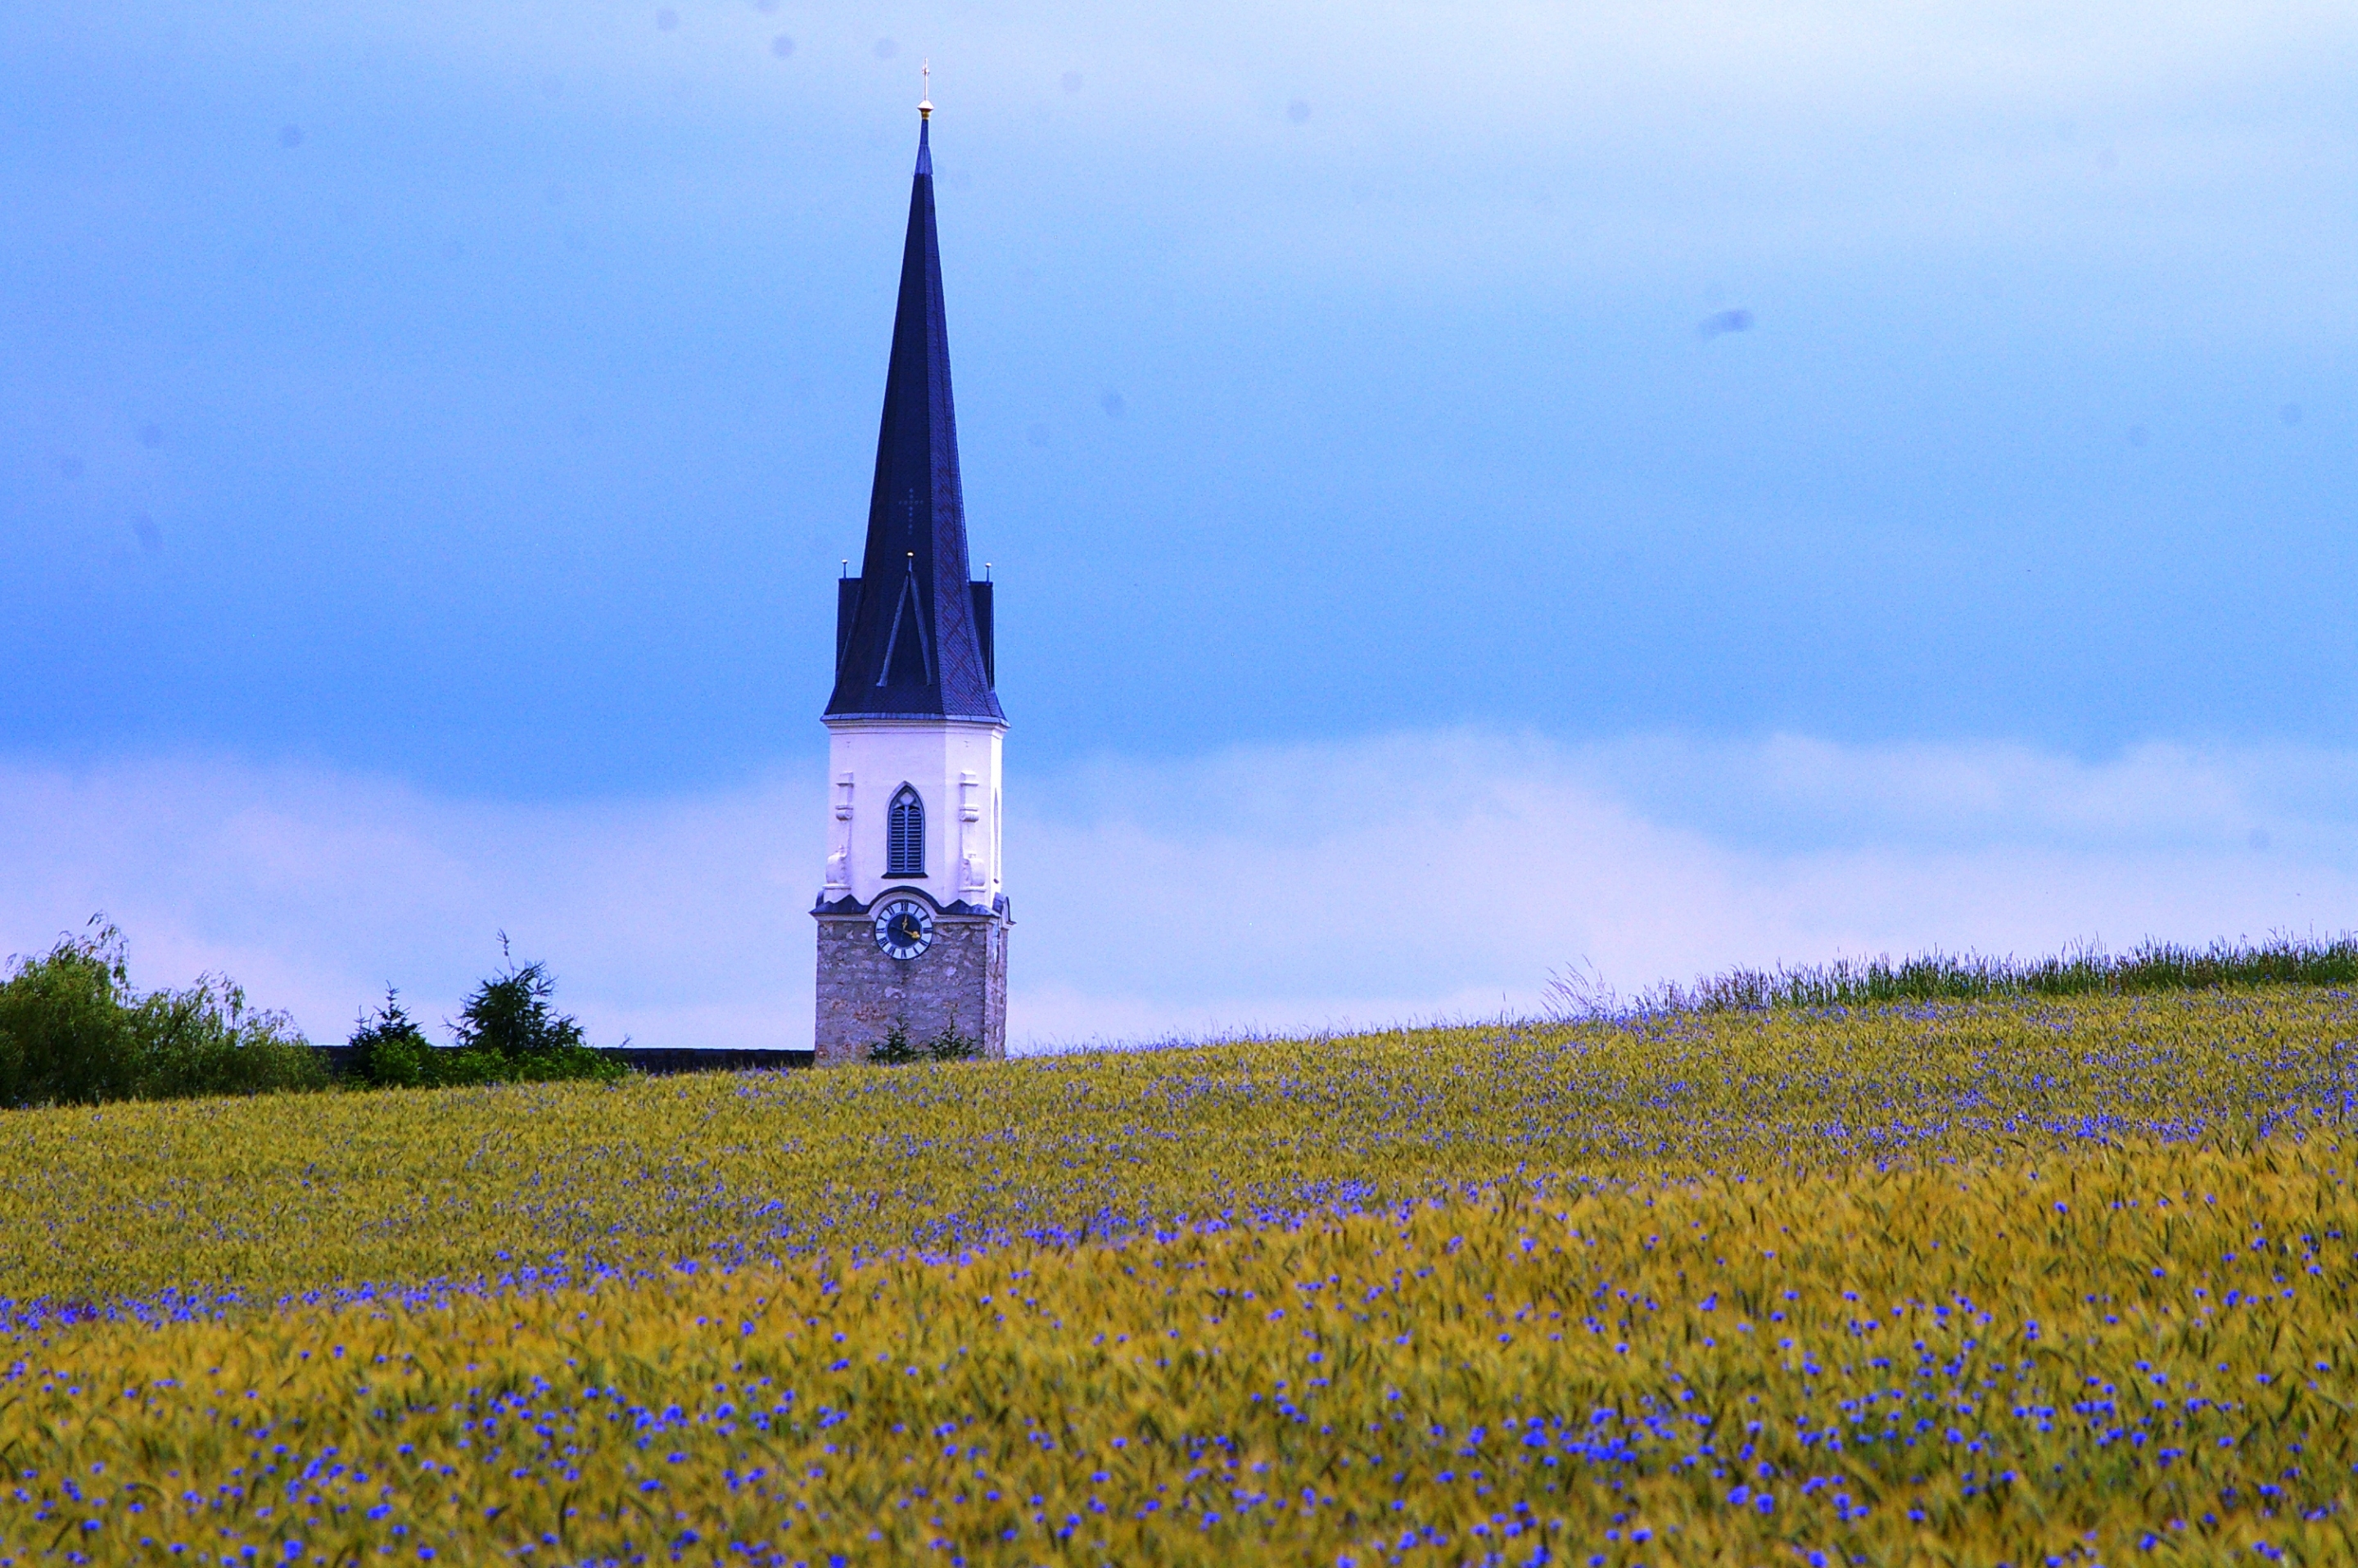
73	1032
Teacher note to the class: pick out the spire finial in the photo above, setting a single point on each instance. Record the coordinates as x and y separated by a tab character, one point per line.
926	103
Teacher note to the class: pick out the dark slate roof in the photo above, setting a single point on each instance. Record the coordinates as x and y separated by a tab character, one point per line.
912	648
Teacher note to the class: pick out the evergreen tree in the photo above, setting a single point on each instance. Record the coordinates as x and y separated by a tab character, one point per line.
897	1050
949	1045
389	1050
509	1031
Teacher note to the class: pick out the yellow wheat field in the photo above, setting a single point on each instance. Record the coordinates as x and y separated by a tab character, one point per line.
1988	1284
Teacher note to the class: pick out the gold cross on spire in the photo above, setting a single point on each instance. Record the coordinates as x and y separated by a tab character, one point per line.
925	104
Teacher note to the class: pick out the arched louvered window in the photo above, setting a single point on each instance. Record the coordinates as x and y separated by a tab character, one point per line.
905	835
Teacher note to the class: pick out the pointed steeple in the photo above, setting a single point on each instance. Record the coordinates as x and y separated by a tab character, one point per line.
914	634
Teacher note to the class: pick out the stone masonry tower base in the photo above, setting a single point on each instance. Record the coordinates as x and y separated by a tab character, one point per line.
961	982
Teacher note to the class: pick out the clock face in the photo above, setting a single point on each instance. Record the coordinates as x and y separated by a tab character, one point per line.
903	928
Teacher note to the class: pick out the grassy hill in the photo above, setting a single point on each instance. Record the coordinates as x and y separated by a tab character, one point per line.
2016	1279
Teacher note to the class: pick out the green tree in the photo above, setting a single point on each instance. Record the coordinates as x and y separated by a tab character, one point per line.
206	1040
65	1034
389	1050
73	1032
509	1031
896	1049
949	1045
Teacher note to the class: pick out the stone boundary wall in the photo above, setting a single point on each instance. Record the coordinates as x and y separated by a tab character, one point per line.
653	1060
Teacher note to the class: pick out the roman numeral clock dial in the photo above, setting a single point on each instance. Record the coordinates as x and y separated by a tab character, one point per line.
903	928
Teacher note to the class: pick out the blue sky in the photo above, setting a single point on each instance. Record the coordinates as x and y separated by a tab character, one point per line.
467	406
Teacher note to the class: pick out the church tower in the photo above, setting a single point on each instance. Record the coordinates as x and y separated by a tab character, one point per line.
913	919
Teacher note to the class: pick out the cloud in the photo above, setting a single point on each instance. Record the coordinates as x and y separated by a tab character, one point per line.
677	921
1433	873
1370	882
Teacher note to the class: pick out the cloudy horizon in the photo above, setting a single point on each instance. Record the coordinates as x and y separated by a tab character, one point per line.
1391	881
1662	487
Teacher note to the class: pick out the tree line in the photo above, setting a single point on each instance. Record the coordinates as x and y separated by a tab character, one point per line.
74	1030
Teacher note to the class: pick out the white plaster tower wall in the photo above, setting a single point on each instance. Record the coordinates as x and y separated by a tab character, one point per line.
955	768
